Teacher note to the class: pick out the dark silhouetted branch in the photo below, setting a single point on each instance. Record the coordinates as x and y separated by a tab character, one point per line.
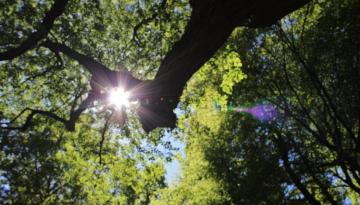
74	115
312	170
320	88
30	117
50	70
102	77
89	63
210	25
69	124
101	144
43	29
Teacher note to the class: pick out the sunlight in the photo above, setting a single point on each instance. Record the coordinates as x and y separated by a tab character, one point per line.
119	97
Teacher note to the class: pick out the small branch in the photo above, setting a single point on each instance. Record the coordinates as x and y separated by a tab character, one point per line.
79	92
50	70
135	36
106	126
312	170
307	12
30	117
295	178
320	88
69	124
74	115
22	112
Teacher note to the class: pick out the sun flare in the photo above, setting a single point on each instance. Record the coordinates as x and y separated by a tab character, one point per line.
119	97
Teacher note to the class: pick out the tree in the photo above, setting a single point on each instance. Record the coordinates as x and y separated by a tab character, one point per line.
299	69
98	163
225	156
221	19
306	65
44	85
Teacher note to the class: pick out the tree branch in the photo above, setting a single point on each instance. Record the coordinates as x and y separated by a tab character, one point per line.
89	63
102	76
101	144
210	25
30	117
43	29
291	173
74	115
320	88
69	124
311	168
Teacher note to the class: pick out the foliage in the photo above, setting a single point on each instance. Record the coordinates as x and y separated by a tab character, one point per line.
307	65
218	151
99	163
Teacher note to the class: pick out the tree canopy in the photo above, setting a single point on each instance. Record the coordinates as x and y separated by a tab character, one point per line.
267	106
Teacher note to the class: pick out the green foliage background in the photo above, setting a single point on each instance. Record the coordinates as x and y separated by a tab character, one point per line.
307	66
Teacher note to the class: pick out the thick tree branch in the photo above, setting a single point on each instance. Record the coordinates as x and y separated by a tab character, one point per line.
210	25
102	76
268	12
89	63
43	29
102	79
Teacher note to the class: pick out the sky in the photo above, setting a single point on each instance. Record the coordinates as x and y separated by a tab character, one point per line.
173	168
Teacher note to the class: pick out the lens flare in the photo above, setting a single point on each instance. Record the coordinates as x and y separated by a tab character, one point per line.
119	97
263	112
